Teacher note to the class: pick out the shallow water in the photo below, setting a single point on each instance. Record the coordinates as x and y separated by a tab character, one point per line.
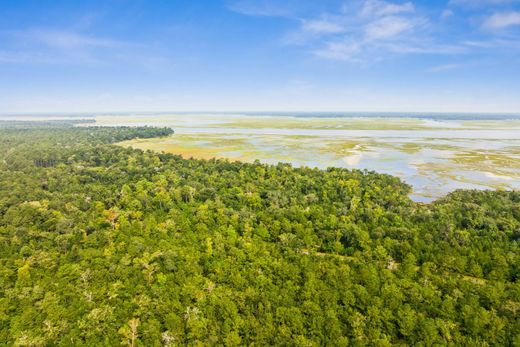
498	134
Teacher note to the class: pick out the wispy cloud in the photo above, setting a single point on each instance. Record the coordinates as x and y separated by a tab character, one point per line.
57	47
38	57
346	50
424	47
369	26
447	13
15	57
481	3
320	26
64	39
492	43
501	20
389	27
361	27
51	46
266	8
367	30
378	8
444	67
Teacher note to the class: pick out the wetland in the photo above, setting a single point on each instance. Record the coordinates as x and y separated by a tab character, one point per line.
434	156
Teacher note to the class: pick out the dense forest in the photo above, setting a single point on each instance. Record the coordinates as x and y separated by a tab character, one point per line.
104	245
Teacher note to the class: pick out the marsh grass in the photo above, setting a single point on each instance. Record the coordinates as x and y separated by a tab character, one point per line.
433	165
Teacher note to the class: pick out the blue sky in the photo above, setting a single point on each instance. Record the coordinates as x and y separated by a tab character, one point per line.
261	55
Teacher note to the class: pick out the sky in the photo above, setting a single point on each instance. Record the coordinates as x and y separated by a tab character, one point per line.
259	55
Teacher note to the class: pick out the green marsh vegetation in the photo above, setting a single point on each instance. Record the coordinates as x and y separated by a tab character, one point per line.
312	123
106	245
446	161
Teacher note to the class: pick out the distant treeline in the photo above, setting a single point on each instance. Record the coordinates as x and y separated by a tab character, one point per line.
9	124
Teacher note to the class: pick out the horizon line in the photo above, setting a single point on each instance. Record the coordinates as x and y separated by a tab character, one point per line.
251	112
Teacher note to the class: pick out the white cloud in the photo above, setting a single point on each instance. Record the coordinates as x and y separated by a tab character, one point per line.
444	67
413	47
322	26
341	50
56	47
481	3
447	14
388	27
501	20
44	57
358	27
67	39
37	46
371	30
375	27
492	44
377	8
16	57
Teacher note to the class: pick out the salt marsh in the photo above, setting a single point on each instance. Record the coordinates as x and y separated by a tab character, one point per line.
434	156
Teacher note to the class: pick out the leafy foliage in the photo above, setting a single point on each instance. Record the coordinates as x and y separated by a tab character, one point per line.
102	245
